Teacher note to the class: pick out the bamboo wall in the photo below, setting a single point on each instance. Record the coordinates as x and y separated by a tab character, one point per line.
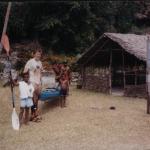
97	79
138	87
135	91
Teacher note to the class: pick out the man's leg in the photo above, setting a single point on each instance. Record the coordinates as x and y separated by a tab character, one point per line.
32	113
64	101
37	93
33	108
65	95
21	114
36	99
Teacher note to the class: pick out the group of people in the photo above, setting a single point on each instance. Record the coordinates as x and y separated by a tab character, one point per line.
30	87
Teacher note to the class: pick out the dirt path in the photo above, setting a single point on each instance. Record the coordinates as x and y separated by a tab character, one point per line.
86	124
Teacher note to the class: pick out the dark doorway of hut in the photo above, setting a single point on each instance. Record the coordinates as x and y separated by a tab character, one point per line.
117	82
117	74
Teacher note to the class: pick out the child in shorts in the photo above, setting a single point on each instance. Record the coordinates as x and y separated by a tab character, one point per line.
26	91
64	88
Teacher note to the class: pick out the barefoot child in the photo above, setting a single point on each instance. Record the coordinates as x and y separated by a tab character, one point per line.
65	70
64	87
26	90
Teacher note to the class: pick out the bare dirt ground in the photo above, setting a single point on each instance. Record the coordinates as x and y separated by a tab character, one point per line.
86	124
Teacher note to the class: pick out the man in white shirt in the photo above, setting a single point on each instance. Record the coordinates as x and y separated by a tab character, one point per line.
34	66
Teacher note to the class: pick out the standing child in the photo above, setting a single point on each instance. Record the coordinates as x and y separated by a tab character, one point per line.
64	87
65	70
26	90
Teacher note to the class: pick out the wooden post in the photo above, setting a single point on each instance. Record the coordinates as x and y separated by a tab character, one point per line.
135	82
110	75
148	74
123	65
83	76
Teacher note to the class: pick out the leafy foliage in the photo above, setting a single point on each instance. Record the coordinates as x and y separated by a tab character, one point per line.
69	27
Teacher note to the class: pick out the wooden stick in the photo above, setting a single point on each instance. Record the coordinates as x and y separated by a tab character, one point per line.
5	24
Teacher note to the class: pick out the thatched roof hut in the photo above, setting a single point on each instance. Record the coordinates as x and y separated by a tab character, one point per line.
121	56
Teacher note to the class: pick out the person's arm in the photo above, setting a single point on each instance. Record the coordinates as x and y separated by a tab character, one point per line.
67	82
42	67
61	81
27	67
41	71
15	82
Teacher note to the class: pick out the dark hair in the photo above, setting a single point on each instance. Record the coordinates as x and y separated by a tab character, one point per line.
36	47
37	50
24	73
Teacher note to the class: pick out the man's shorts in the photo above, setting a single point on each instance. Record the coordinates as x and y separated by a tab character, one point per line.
26	102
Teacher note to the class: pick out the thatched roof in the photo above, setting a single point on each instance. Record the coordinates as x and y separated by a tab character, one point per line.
132	43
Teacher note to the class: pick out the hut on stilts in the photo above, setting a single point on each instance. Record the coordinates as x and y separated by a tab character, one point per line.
115	63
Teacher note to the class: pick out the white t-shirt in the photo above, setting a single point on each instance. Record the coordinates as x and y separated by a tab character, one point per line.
35	67
26	90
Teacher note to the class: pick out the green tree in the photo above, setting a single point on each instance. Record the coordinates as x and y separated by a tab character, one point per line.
68	27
